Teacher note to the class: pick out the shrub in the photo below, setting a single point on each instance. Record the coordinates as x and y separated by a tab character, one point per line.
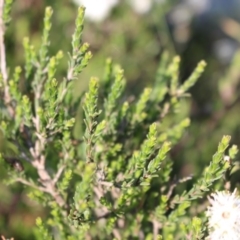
110	178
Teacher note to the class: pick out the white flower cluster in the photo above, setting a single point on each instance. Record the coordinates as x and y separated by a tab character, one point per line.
98	10
224	216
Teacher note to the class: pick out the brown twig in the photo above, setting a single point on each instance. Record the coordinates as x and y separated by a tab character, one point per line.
45	179
156	227
175	182
116	234
3	65
58	174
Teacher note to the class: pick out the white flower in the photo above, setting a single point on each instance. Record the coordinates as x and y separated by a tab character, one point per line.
97	10
141	6
224	216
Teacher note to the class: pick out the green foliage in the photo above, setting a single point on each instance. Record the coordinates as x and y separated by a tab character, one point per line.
41	231
115	180
6	11
80	53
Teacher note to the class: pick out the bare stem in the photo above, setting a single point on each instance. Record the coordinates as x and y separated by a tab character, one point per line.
37	152
58	174
156	227
3	65
45	179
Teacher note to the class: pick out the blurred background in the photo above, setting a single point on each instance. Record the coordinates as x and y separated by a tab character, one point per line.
134	33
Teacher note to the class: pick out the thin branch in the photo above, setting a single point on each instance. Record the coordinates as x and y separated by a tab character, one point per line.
107	184
175	182
23	181
70	74
37	153
156	227
105	215
58	174
22	151
3	65
25	157
3	53
46	180
116	234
